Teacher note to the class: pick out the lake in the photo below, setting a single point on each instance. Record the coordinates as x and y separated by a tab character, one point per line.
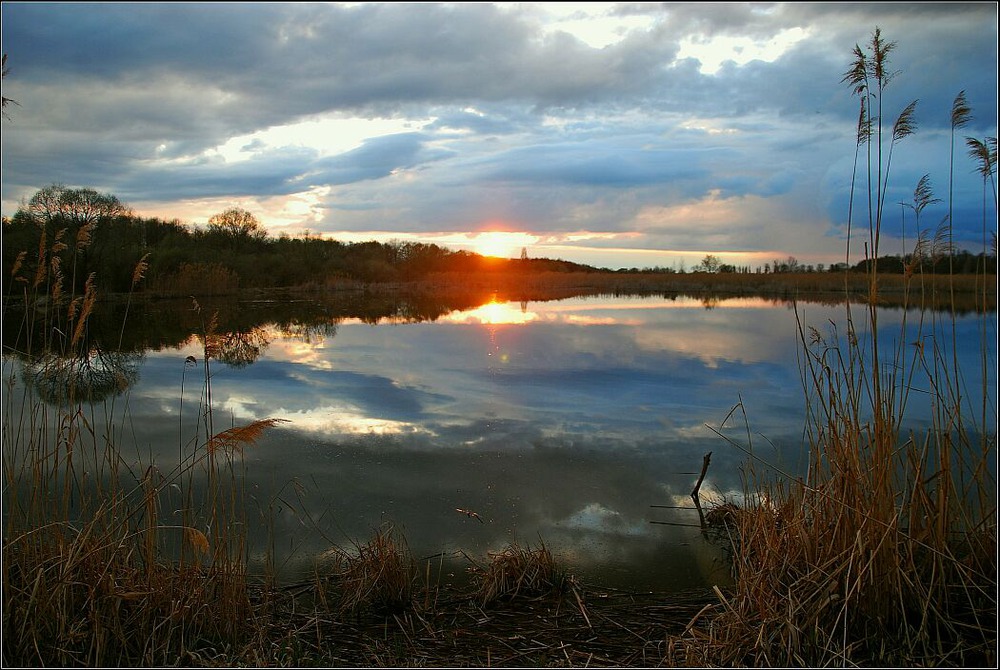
578	423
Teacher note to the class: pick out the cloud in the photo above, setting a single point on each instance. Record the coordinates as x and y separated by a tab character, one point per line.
434	118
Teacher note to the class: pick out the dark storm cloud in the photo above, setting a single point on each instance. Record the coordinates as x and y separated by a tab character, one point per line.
298	59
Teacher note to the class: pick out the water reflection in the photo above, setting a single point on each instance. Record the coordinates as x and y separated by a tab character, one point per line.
237	349
493	313
92	376
559	421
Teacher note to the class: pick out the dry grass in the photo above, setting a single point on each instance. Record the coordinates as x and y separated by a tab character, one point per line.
86	598
885	552
585	627
378	576
95	574
516	571
820	582
95	571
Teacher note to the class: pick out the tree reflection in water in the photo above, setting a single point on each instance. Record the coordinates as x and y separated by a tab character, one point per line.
309	333
95	375
238	349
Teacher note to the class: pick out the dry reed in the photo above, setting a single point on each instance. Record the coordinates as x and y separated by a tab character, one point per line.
377	576
516	571
885	552
93	574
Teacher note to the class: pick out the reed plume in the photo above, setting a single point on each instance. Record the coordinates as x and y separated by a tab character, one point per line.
237	437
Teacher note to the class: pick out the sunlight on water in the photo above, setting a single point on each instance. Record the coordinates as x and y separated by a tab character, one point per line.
493	313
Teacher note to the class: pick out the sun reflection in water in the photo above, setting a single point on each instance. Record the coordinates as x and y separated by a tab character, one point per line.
495	313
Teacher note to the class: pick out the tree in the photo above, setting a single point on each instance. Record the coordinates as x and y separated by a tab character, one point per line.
82	206
710	263
237	225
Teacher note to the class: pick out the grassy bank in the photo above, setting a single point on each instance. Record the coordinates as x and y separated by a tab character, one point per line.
965	293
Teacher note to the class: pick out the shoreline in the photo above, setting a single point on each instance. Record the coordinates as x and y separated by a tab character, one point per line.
968	293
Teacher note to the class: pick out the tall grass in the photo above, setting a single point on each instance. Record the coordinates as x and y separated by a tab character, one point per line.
885	552
109	560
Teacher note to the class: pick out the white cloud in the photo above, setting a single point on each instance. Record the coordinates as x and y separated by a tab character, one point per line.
713	51
327	136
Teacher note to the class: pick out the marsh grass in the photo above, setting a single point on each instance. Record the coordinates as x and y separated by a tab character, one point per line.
107	559
376	576
885	552
516	571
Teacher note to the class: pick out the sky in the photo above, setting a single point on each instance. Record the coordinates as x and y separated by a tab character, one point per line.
612	134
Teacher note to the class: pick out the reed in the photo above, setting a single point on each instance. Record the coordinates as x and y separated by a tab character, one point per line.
885	552
377	576
109	560
516	571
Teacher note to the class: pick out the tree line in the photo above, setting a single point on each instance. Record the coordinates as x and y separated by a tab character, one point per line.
925	259
73	233
77	231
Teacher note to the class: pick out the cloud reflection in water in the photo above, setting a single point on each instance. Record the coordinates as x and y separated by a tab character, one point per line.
555	421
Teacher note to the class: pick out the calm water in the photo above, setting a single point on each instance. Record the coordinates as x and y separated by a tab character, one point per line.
561	422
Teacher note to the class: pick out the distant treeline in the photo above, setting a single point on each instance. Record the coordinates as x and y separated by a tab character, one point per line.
70	234
960	262
88	232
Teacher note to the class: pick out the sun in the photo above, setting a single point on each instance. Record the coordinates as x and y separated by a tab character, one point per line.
501	244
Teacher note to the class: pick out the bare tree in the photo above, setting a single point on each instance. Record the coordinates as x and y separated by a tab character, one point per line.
238	225
710	263
77	205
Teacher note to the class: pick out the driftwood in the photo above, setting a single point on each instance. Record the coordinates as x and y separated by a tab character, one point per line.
697	487
694	496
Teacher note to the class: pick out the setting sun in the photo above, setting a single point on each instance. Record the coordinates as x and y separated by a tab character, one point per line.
502	244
